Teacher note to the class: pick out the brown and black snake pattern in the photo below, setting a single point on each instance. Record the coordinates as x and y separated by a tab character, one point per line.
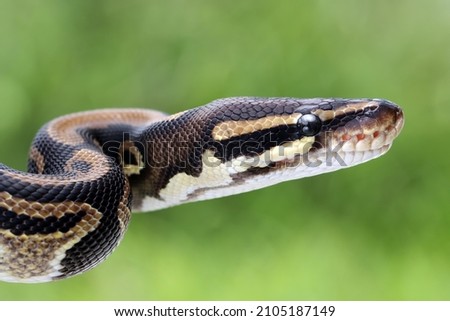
87	171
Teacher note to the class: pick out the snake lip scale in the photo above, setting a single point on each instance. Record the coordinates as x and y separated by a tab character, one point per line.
88	171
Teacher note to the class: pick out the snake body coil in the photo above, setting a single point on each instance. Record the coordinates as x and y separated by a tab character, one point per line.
87	171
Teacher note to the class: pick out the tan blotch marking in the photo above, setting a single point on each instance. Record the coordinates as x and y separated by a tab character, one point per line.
38	159
232	128
37	257
64	129
123	212
43	210
97	160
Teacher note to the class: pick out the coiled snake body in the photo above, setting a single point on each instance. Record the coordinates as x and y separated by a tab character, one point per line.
87	171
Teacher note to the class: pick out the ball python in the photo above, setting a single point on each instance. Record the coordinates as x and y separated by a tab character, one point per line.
87	171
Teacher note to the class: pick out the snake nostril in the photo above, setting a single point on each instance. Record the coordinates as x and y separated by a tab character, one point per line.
393	112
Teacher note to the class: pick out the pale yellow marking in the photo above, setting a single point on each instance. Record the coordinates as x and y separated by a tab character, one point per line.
214	173
231	128
132	169
325	115
291	149
286	151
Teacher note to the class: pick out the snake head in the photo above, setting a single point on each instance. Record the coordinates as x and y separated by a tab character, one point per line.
327	134
241	144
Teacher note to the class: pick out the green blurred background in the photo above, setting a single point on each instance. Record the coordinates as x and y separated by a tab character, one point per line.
379	231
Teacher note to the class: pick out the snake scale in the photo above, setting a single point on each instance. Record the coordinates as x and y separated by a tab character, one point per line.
87	171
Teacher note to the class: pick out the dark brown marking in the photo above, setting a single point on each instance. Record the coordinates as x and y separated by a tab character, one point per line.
24	224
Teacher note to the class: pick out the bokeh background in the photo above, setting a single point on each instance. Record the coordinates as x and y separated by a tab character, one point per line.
380	231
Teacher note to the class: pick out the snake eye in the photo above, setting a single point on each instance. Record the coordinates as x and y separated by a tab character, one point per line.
309	124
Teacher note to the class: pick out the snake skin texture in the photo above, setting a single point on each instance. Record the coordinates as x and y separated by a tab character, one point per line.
88	171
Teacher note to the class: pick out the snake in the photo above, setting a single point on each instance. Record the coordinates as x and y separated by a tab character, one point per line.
88	171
